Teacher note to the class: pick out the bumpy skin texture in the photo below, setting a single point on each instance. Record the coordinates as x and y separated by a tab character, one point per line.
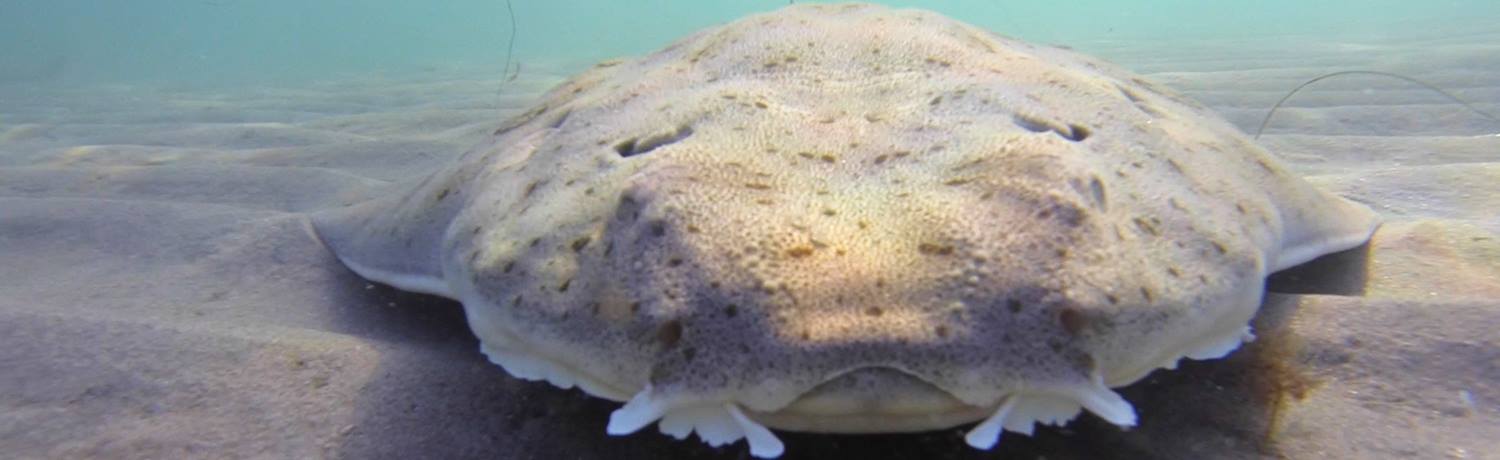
765	206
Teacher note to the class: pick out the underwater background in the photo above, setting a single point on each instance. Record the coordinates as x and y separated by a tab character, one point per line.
231	41
161	296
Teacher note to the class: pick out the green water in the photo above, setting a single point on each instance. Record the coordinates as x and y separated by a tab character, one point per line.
233	41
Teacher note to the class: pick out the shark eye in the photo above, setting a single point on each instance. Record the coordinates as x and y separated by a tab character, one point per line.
1071	131
636	146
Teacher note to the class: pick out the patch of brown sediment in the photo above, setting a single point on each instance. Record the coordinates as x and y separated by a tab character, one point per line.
1230	408
1393	378
1278	379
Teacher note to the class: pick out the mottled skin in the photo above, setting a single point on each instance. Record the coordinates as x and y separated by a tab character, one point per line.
765	206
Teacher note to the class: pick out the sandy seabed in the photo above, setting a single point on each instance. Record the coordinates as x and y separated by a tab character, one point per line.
161	297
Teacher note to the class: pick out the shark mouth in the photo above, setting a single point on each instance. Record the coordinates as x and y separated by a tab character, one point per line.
879	399
844	404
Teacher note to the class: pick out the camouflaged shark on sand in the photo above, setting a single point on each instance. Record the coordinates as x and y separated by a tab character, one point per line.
852	219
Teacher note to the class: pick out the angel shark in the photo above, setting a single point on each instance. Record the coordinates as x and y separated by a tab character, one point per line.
852	219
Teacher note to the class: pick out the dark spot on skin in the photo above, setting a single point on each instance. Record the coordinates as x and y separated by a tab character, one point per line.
1096	189
757	186
1140	103
443	194
1174	272
658	228
1147	294
942	331
731	310
1265	165
935	249
1219	247
535	242
581	243
564	286
799	252
516	302
1014	305
476	230
509	266
635	307
560	119
669	334
761	105
530	188
1146	226
1083	361
1111	298
1067	214
874	311
674	262
829	212
955	182
1072	320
